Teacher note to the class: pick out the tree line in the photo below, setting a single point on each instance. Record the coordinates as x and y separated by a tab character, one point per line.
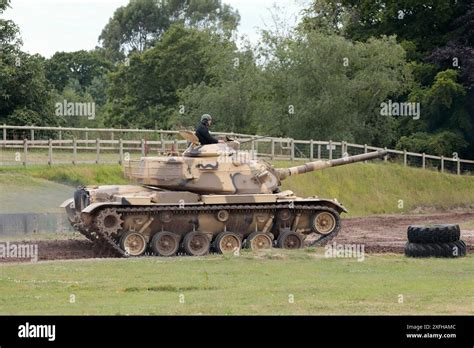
385	73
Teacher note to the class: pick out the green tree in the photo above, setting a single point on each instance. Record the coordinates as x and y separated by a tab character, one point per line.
25	93
136	26
437	35
426	23
82	66
326	87
9	39
234	96
444	143
148	87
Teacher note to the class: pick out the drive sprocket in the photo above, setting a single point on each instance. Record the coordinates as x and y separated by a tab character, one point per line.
109	221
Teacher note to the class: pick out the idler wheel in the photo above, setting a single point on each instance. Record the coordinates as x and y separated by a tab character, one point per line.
227	243
196	244
165	243
109	221
324	223
289	240
133	243
258	241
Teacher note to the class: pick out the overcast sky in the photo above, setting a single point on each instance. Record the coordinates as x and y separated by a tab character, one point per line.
48	26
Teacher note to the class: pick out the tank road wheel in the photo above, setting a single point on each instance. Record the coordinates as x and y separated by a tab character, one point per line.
133	243
109	221
165	243
324	223
227	243
196	243
289	240
258	241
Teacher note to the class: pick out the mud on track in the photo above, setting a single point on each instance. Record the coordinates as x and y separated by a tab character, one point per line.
378	234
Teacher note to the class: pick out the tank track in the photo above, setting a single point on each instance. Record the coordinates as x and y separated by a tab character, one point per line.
102	237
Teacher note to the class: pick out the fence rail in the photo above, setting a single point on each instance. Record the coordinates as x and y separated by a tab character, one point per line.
59	145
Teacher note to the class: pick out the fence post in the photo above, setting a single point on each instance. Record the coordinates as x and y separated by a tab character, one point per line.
385	158
175	145
25	151
273	149
142	145
311	150
292	154
442	164
32	134
330	149
459	166
87	138
162	142
74	150
319	151
423	160
50	151
4	133
97	151
405	159
120	151
365	150
343	148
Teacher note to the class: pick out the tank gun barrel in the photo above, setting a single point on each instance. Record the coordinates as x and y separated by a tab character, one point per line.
283	173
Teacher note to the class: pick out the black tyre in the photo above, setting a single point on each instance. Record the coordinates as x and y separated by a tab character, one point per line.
289	240
451	249
433	234
196	244
165	243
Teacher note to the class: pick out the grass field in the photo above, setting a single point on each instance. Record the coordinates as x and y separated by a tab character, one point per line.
276	282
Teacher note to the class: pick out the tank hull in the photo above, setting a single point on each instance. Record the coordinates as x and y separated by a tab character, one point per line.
140	220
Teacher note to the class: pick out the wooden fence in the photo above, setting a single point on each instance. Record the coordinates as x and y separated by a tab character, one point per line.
29	145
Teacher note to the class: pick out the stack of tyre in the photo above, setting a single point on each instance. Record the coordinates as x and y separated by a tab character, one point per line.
435	241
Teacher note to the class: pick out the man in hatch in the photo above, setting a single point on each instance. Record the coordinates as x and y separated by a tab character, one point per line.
202	131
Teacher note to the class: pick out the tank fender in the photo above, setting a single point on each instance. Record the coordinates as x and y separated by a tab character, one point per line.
329	202
67	203
336	205
92	207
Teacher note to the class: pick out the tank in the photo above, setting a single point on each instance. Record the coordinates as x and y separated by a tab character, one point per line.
210	198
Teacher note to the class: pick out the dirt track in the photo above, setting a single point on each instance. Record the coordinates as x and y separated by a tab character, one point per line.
388	233
379	234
